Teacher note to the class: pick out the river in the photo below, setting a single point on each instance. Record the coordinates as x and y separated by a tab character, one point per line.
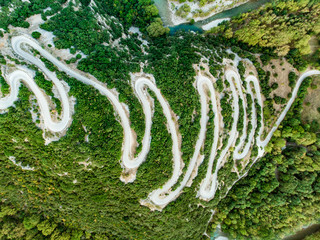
165	15
300	235
304	232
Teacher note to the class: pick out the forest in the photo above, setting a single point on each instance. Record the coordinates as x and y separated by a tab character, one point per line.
281	192
281	25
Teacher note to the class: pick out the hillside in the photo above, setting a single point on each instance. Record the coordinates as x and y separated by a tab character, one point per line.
111	128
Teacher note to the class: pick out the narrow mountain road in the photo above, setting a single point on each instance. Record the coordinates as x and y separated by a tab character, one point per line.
141	83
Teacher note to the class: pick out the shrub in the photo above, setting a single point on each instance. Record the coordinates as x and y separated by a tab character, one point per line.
36	35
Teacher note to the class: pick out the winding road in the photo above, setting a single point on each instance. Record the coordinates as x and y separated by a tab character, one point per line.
158	198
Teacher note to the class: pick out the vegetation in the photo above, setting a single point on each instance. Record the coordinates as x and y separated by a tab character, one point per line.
137	13
16	12
36	35
15	224
183	11
281	25
280	193
202	10
156	28
69	23
314	236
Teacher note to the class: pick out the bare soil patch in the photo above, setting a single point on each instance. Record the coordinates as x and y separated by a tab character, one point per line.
280	70
314	44
312	103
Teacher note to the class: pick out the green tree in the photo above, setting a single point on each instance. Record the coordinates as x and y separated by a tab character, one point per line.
7	211
157	29
31	222
152	10
36	35
46	227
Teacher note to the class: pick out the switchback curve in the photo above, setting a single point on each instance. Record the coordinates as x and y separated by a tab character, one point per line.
158	198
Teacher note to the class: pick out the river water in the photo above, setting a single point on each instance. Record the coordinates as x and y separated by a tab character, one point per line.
299	235
304	232
165	14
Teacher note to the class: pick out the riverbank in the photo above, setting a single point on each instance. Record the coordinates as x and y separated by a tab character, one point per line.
166	15
304	232
198	13
214	23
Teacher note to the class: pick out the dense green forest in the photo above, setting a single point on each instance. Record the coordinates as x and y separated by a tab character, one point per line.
282	25
267	205
281	192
